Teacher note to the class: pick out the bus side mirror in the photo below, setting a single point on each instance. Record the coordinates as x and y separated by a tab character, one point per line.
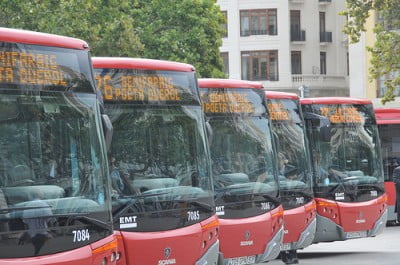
108	130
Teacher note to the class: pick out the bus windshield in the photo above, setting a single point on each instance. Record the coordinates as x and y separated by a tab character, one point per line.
242	155
346	152
52	174
294	168
390	142
159	158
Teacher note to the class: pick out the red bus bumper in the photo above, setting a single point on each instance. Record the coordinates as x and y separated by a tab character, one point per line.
253	239
300	225
196	244
338	221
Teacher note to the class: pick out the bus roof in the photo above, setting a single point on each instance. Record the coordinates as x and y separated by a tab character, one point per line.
387	115
39	38
228	83
335	100
280	95
140	63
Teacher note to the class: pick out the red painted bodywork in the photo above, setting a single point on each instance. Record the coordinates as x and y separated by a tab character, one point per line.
281	95
80	256
388	116
262	229
139	63
335	100
187	244
297	220
390	189
349	216
228	83
38	38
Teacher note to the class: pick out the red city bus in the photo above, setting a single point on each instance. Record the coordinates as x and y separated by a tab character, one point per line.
54	195
163	205
295	174
348	175
244	170
388	120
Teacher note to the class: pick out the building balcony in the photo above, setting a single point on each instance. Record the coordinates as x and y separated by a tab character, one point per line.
325	36
270	31
298	35
321	81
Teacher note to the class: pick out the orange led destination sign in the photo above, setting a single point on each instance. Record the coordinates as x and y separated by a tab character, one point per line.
342	114
277	112
30	68
227	102
138	87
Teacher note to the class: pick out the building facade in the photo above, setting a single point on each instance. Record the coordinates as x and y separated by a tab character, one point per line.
287	44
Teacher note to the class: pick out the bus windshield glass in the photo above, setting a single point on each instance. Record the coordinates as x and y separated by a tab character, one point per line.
390	142
243	166
159	165
52	174
294	168
345	151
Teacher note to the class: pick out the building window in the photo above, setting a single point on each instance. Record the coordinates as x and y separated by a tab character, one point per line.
258	22
296	62
260	65
225	61
322	63
322	24
225	25
382	89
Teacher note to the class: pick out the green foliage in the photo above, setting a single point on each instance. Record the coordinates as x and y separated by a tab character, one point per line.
104	24
386	50
182	30
179	30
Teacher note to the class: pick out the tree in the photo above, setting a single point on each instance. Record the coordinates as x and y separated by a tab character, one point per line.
180	30
187	31
386	50
104	24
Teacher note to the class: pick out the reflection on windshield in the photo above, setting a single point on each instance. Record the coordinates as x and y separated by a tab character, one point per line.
158	151
241	154
50	160
346	155
292	156
390	145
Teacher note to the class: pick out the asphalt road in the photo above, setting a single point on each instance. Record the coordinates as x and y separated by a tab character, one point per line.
383	249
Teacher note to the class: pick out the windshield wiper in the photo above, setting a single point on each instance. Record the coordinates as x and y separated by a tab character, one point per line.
205	206
134	199
12	209
92	221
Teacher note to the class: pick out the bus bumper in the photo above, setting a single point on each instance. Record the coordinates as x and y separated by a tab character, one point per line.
328	231
273	248
306	238
392	215
211	256
379	225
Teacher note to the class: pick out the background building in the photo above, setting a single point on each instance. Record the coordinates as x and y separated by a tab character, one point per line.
287	44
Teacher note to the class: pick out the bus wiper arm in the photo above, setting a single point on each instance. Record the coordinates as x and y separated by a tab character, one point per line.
134	199
92	221
205	206
12	209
